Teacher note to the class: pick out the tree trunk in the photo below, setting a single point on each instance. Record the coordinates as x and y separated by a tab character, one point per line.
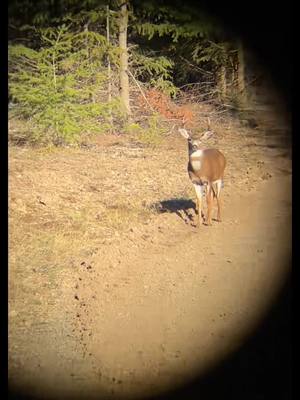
86	30
108	69
124	81
222	87
241	74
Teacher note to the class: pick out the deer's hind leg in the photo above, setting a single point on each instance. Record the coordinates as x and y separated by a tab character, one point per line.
218	192
209	200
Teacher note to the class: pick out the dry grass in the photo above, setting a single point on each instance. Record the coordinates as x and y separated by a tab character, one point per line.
66	202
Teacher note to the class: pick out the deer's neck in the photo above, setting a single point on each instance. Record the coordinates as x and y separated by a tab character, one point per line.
194	152
190	147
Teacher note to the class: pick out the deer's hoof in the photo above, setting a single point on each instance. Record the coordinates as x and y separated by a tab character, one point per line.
199	224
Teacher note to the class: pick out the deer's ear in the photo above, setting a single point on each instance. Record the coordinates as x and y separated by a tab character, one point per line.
206	135
184	133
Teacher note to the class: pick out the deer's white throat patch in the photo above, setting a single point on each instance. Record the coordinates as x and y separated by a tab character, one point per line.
196	160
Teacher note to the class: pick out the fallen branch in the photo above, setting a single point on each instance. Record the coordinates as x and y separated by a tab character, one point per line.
141	90
196	66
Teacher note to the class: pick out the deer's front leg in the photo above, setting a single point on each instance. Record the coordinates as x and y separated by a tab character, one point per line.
199	192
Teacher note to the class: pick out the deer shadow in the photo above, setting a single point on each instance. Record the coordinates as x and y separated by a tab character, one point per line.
181	207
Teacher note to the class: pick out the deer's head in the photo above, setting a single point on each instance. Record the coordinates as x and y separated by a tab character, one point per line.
195	145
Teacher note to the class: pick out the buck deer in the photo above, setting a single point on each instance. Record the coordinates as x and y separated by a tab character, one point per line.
206	169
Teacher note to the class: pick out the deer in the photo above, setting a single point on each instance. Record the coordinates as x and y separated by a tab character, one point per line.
206	171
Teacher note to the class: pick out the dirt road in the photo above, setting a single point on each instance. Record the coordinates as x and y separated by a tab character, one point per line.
174	307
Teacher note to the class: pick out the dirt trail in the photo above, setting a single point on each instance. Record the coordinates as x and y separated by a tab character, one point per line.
159	318
156	314
154	306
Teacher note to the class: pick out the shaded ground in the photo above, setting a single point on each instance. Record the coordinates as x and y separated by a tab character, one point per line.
112	290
